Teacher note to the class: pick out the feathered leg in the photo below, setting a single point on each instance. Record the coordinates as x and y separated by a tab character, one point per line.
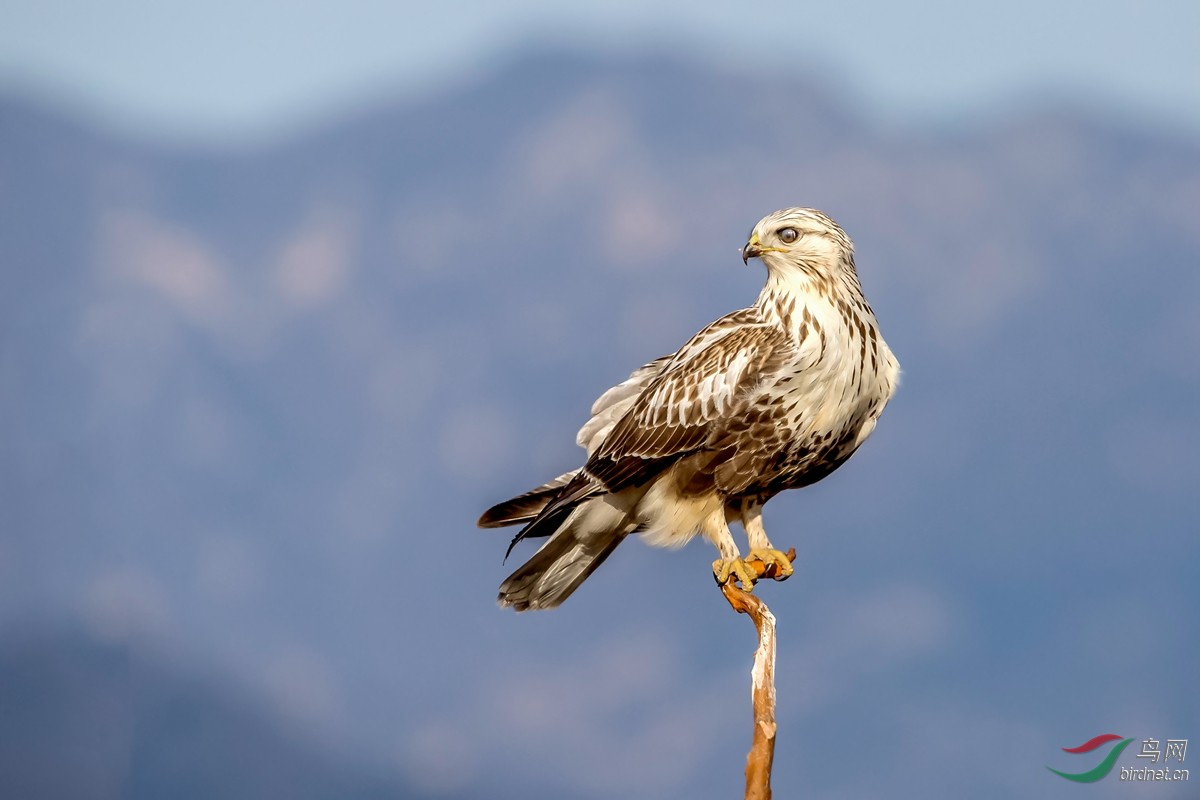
731	564
760	546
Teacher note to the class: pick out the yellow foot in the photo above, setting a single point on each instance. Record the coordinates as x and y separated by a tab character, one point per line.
726	568
783	566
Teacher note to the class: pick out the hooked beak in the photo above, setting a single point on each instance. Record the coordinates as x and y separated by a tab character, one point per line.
753	249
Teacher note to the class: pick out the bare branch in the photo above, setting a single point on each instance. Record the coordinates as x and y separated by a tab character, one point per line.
762	679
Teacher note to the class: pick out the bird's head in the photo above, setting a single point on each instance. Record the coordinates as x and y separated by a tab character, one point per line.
801	240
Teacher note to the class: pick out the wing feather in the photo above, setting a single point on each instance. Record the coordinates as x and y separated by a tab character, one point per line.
525	507
688	403
613	404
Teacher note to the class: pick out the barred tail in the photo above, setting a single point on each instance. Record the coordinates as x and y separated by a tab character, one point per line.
587	534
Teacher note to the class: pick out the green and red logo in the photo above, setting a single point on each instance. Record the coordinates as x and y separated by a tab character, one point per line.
1101	769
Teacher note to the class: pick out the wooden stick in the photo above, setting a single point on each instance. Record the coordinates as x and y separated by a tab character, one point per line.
762	682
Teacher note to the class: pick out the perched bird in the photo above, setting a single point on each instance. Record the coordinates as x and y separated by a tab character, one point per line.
775	396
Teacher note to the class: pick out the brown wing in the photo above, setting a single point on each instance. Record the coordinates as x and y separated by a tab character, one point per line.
606	411
612	405
688	404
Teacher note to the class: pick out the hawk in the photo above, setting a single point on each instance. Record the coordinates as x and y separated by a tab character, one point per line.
772	397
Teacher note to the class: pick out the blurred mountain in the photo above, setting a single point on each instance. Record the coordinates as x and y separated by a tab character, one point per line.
88	719
252	401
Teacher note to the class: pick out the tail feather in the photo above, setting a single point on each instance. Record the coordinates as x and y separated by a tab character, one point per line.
588	534
525	507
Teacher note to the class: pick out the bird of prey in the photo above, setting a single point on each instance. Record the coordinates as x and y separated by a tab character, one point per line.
772	397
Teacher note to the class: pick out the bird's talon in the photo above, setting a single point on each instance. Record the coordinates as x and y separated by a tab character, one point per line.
725	569
772	557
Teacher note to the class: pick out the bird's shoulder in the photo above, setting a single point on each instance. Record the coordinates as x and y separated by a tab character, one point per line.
614	403
683	405
742	320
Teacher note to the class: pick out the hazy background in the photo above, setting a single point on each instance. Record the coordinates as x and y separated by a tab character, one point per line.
289	294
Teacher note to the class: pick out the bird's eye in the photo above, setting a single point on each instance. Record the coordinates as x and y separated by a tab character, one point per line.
788	235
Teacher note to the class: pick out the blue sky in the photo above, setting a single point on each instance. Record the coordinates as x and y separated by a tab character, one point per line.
232	69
